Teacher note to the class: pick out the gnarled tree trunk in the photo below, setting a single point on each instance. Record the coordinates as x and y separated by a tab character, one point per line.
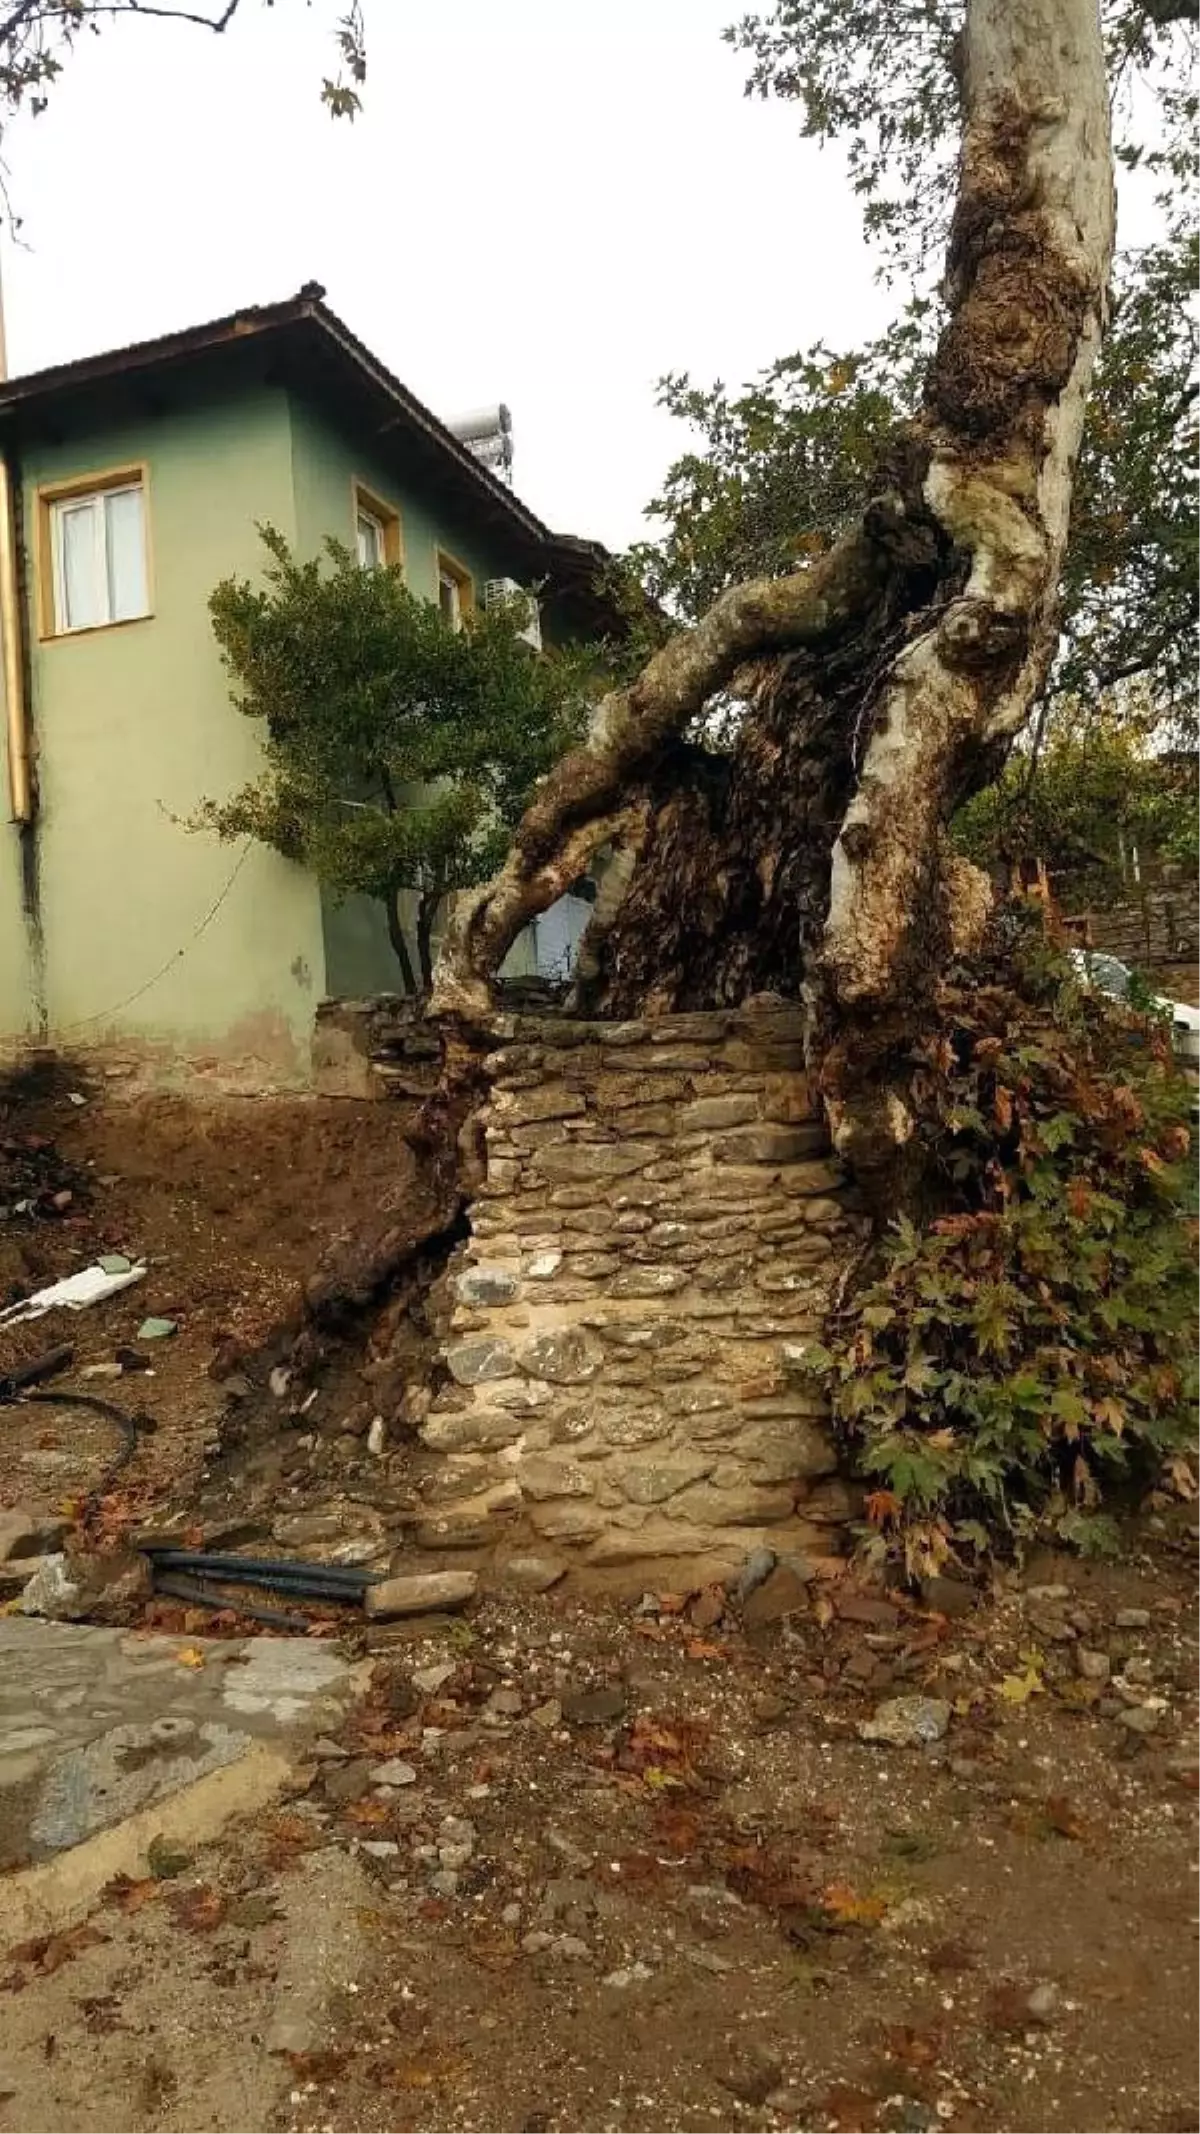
884	682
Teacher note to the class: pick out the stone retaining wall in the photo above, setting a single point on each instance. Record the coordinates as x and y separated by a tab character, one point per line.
654	1246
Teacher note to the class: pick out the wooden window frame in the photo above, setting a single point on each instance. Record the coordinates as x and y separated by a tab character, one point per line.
448	566
134	474
374	506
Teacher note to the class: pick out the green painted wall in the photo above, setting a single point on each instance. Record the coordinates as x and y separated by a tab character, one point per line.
134	727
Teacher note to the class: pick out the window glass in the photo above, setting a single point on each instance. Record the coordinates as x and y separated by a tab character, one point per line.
370	541
81	600
126	554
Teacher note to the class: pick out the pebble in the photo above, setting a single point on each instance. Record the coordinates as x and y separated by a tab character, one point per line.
506	1703
1093	1666
394	1773
379	1848
628	1975
570	1946
1133	1619
597	1706
430	1679
1140	1670
768	1709
511	1915
536	1941
454	1857
1042	2002
548	1715
1139	1719
752	2076
377	1436
1049	1593
906	1722
445	1882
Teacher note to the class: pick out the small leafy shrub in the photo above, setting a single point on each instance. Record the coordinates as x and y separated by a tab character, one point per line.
1031	1339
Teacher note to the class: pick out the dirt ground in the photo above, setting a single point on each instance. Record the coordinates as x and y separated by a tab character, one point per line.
230	1203
647	1877
644	1874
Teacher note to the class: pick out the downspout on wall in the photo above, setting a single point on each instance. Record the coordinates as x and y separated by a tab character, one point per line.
16	705
20	781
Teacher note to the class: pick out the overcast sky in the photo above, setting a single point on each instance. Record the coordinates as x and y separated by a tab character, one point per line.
548	202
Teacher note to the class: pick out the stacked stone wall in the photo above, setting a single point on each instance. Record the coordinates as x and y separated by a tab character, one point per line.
651	1253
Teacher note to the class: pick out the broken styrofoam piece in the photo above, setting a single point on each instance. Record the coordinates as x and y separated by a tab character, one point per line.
74	1293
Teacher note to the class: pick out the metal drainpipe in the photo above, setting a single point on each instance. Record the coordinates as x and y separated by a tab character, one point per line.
20	784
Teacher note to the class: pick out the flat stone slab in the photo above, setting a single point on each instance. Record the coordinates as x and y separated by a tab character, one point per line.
97	1725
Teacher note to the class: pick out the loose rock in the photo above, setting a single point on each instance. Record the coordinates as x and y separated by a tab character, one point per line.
421	1592
906	1722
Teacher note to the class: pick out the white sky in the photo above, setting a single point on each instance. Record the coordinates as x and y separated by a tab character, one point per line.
548	202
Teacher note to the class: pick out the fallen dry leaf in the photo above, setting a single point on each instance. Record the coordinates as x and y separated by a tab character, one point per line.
1018	1689
199	1909
130	1895
1063	1817
911	2046
190	1657
852	1908
47	1953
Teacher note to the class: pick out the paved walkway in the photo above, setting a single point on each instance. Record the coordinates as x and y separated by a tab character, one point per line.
99	1726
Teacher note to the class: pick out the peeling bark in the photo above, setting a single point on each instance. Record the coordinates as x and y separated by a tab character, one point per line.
889	678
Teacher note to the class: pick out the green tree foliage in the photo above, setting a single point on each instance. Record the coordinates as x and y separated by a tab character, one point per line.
1099	798
779	467
1006	1361
38	36
400	752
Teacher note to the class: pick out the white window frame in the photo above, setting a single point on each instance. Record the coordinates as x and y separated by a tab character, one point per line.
92	496
366	517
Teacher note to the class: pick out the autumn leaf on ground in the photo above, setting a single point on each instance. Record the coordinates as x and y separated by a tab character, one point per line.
130	1895
324	2065
1018	1689
166	1860
702	1649
368	1813
200	1909
911	2046
190	1657
849	2110
1064	1818
47	1953
851	1908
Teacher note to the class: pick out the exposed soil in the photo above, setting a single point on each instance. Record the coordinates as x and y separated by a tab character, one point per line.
231	1203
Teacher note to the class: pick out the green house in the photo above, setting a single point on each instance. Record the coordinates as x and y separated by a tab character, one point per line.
130	484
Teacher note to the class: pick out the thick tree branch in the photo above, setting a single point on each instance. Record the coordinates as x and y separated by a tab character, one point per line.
576	807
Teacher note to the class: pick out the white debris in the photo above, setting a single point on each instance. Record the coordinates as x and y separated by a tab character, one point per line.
74	1293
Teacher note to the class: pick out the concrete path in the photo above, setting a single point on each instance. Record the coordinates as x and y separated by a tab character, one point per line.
109	1740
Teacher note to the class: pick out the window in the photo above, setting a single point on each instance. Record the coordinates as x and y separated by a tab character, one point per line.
370	541
456	590
376	530
94	553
